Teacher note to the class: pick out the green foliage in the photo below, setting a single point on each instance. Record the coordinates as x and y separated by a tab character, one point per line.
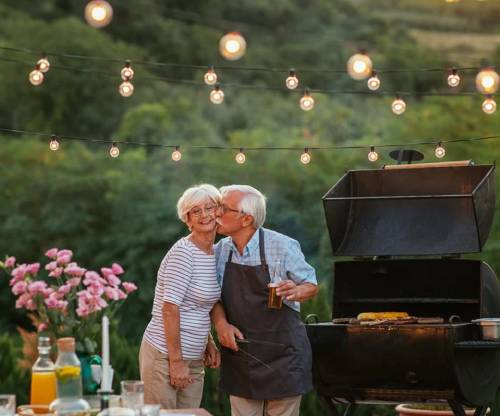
13	380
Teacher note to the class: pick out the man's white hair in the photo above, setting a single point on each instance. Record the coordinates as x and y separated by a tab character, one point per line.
196	195
253	202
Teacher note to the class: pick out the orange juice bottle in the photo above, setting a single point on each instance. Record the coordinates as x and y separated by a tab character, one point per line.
43	376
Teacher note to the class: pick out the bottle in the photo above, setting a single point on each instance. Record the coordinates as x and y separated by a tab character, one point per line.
43	376
69	400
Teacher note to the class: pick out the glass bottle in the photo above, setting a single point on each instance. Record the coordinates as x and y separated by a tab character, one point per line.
43	376
69	400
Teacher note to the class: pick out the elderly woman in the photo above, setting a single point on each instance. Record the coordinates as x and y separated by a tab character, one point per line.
177	342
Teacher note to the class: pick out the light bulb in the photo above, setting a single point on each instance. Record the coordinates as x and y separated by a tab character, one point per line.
232	46
210	76
487	81
127	73
306	102
372	155
359	66
489	105
453	79
240	157
98	13
114	151
43	64
176	154
126	89
398	106
440	151
54	144
373	82
305	157
36	76
292	81
216	95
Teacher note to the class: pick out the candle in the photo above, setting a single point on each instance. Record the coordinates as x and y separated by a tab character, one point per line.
105	382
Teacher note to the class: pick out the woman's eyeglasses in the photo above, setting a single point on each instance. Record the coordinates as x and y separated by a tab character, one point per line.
209	209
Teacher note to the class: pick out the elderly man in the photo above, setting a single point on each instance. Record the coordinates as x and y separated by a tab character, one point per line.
266	359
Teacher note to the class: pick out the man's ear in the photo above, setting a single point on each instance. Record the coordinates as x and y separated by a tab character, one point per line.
247	220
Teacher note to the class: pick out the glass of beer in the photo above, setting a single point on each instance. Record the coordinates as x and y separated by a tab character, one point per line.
273	300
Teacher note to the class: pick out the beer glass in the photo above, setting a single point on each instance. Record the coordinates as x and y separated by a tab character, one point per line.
273	300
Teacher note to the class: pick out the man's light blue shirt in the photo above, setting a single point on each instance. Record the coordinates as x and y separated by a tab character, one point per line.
283	256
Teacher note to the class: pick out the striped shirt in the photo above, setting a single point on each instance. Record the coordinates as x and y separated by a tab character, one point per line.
283	256
186	278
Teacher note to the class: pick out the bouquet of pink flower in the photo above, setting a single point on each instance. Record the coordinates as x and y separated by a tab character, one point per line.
70	300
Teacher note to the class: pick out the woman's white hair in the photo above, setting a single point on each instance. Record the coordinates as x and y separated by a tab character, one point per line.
194	196
253	202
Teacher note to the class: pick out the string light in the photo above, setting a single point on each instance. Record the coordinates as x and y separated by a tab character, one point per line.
305	157
359	66
54	143
240	157
217	95
126	89
440	151
127	73
114	151
487	81
98	13
372	154
43	64
36	76
489	105
232	46
453	78
176	154
292	81
306	101
210	76
398	106
374	81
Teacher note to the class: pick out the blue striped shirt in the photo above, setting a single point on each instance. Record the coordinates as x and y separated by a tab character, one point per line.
283	255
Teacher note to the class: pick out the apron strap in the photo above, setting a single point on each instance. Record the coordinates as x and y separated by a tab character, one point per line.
261	247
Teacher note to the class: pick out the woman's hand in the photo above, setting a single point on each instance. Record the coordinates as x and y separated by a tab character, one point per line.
212	355
179	374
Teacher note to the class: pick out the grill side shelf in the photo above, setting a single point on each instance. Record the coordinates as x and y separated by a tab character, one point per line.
409	300
477	344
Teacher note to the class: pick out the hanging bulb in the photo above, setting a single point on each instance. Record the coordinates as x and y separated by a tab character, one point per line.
210	76
114	151
398	106
372	155
98	13
453	78
306	101
292	81
127	73
126	89
36	76
43	64
232	46
487	81
440	151
374	81
359	66
217	95
54	144
489	105
240	157
305	157
176	154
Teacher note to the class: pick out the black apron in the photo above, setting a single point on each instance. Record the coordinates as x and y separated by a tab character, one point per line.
277	337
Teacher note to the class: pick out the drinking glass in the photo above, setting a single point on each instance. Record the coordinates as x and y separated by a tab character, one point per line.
273	300
149	410
132	392
7	404
34	410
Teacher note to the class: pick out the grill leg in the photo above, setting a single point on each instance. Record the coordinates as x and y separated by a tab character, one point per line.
480	411
330	403
457	408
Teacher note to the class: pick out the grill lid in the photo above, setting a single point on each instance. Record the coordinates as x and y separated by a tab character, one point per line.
415	210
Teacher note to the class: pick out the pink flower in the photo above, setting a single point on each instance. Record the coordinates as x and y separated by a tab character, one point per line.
74	271
37	287
113	280
51	266
21	300
63	260
74	282
15	280
93	278
111	293
106	271
10	262
129	287
117	269
95	290
64	289
51	302
57	272
19	288
83	310
64	252
42	327
121	294
33	268
19	272
52	253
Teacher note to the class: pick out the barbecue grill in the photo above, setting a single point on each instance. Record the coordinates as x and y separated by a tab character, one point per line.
406	228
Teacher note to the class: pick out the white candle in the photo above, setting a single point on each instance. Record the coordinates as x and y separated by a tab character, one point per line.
105	354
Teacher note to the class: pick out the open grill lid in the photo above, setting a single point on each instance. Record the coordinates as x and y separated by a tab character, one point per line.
416	210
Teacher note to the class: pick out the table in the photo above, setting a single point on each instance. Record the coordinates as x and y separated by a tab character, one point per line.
197	412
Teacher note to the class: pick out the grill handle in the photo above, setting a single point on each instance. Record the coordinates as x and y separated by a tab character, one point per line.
312	318
455	319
